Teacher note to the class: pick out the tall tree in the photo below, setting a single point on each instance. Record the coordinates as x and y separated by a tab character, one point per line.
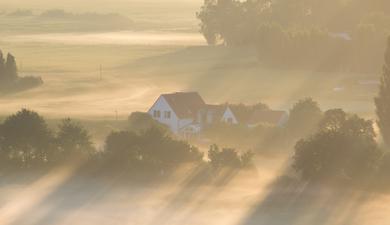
26	138
305	116
2	66
11	70
382	102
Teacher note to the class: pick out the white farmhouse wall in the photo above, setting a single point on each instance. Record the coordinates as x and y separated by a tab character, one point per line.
162	105
228	115
184	123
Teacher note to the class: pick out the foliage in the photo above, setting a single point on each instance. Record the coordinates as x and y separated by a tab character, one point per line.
9	78
140	122
344	147
26	138
382	102
300	33
73	140
305	116
152	147
26	141
228	157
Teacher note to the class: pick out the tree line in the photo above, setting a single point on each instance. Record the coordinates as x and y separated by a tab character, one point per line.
10	80
27	142
8	68
345	147
301	33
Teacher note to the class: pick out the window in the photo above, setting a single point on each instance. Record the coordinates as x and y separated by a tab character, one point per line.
167	114
156	114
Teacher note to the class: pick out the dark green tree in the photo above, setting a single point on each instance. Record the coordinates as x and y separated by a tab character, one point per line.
140	122
305	116
2	66
344	148
382	102
72	140
122	146
26	138
11	69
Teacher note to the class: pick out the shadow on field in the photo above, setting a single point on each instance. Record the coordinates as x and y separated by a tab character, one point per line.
196	190
290	201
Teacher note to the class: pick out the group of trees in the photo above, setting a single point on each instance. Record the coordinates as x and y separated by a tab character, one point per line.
152	149
345	146
300	33
9	76
8	68
26	141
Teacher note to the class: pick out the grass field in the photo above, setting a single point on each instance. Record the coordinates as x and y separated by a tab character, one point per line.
165	54
134	75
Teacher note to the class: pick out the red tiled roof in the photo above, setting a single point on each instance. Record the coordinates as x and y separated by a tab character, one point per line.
185	104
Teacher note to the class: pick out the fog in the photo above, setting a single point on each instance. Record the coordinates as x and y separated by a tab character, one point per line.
234	198
117	38
102	60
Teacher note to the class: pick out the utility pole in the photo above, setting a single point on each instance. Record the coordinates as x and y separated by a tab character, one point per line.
116	115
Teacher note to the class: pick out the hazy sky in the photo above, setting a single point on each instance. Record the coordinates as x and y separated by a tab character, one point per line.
85	4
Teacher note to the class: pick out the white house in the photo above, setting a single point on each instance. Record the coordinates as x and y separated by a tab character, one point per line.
179	111
186	114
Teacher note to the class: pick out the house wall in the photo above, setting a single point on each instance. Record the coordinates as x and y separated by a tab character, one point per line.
229	117
162	105
184	123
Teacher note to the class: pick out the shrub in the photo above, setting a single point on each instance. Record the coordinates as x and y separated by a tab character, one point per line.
228	157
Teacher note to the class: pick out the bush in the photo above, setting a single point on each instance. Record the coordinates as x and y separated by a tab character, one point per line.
228	157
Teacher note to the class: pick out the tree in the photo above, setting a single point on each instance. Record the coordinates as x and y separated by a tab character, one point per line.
332	120
305	116
140	122
164	151
72	140
122	146
26	138
2	66
11	70
222	20
382	102
343	148
152	149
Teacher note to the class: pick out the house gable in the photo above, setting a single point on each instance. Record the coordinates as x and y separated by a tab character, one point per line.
162	112
185	105
229	117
